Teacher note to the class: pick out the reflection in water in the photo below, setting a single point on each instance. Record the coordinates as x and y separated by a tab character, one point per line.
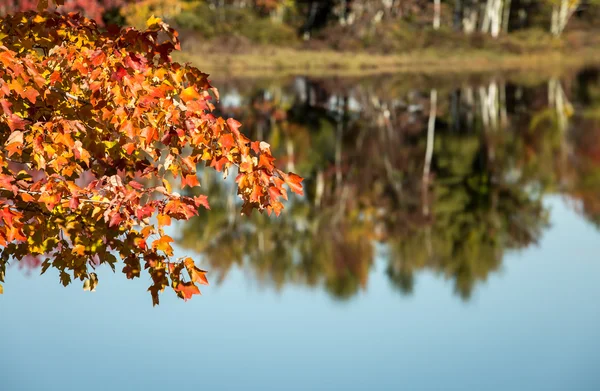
446	178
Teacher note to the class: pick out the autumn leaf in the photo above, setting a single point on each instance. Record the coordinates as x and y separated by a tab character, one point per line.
187	290
162	244
190	180
196	274
152	21
189	94
201	200
293	181
163	220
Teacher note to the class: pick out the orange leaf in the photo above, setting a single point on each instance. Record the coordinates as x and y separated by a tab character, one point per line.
227	141
30	94
293	181
163	245
201	200
163	219
196	274
27	197
190	180
266	161
129	148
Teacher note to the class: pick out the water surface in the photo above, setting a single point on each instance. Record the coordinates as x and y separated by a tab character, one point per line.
448	239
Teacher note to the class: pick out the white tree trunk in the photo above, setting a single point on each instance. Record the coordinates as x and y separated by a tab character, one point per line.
492	17
436	14
429	149
561	14
489	106
470	21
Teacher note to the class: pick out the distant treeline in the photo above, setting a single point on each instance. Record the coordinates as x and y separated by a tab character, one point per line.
308	17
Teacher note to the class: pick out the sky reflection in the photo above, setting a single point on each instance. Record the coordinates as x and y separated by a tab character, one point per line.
532	326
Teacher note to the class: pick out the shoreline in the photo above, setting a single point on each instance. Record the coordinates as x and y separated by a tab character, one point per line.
285	62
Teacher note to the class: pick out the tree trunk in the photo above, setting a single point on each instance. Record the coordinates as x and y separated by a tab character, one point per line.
492	18
506	17
561	15
429	150
436	14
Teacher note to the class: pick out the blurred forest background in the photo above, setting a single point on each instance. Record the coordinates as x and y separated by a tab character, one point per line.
301	33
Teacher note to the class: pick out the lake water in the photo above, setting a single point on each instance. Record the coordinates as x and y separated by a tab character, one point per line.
448	240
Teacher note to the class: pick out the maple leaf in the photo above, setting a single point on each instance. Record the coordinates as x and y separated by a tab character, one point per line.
189	94
187	290
219	163
163	220
163	245
196	274
201	200
234	125
115	219
31	94
190	180
293	181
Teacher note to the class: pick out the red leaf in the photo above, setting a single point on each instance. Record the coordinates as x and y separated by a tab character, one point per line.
15	122
119	74
187	290
136	185
115	219
74	203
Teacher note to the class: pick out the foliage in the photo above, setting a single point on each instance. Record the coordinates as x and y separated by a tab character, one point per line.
136	14
212	23
95	127
93	9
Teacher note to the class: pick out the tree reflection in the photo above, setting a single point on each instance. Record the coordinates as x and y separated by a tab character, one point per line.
375	191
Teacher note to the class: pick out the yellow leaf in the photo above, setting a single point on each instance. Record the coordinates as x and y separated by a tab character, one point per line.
39	19
162	244
153	20
167	185
189	94
1	290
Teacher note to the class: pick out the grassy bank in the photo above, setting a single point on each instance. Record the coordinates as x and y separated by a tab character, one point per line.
261	61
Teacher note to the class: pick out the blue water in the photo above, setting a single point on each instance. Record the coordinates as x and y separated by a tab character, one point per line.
531	326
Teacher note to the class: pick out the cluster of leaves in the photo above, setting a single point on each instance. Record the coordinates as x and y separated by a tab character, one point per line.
93	9
95	126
